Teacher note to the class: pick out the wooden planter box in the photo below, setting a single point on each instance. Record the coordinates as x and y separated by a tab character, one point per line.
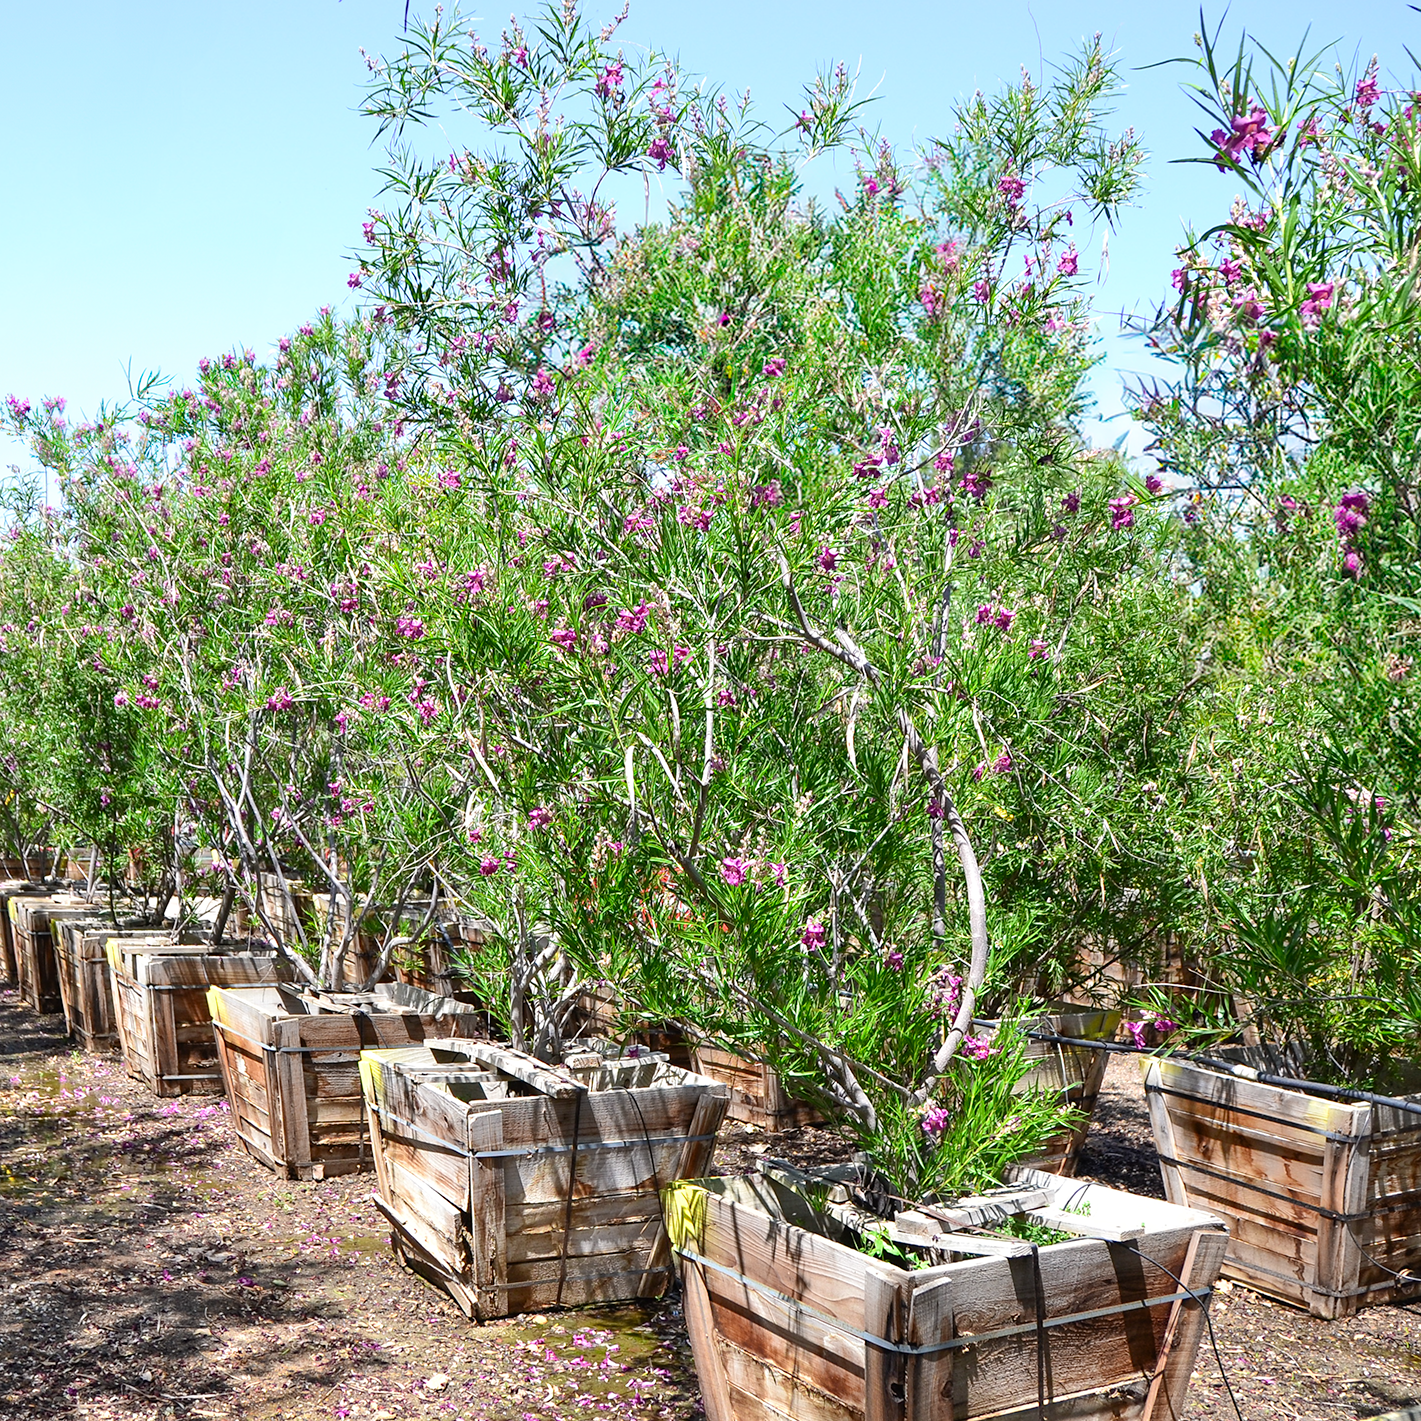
13	888
757	1096
1323	1199
520	1186
32	869
85	977
429	963
787	1322
37	970
1073	1072
161	1009
290	1064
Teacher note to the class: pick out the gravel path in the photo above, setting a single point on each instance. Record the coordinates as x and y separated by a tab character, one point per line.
151	1270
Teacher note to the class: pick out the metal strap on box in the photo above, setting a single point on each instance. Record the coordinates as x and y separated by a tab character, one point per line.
1325	1292
1256	1114
952	1344
1271	1193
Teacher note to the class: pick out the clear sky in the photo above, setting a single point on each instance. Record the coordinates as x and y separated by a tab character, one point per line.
182	178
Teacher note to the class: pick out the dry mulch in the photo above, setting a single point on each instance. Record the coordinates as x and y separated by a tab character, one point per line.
152	1270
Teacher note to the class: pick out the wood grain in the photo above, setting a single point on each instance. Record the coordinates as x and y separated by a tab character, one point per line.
1308	1186
481	1185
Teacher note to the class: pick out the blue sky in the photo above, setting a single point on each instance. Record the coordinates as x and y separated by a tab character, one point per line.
185	178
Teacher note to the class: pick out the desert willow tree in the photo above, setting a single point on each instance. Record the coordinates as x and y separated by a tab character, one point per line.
222	539
772	572
1292	428
79	771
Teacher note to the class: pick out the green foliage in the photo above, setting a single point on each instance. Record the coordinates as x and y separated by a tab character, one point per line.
979	1121
1293	425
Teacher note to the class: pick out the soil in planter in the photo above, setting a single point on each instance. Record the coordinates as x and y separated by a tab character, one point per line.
128	1226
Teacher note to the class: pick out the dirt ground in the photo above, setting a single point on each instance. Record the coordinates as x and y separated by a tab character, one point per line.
150	1269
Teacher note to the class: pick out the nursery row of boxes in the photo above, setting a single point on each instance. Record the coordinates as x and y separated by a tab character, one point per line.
519	1185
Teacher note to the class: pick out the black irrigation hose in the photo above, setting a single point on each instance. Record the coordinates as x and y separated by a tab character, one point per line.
1234	1068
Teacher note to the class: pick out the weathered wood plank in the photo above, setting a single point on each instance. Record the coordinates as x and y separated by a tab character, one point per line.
1271	1103
483	1138
759	1390
929	1386
884	1369
1093	1362
1202	1259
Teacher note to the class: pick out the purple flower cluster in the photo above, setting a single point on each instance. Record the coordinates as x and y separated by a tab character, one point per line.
1000	617
1248	134
944	992
1350	516
978	1048
1137	1029
935	1121
1319	299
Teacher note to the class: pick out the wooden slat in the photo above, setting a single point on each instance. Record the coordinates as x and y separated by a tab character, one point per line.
436	1221
253	1127
929	1389
543	1178
779	1334
488	1221
710	1367
524	1068
884	1369
369	1072
285	1035
609	1115
1345	1177
1202	1259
